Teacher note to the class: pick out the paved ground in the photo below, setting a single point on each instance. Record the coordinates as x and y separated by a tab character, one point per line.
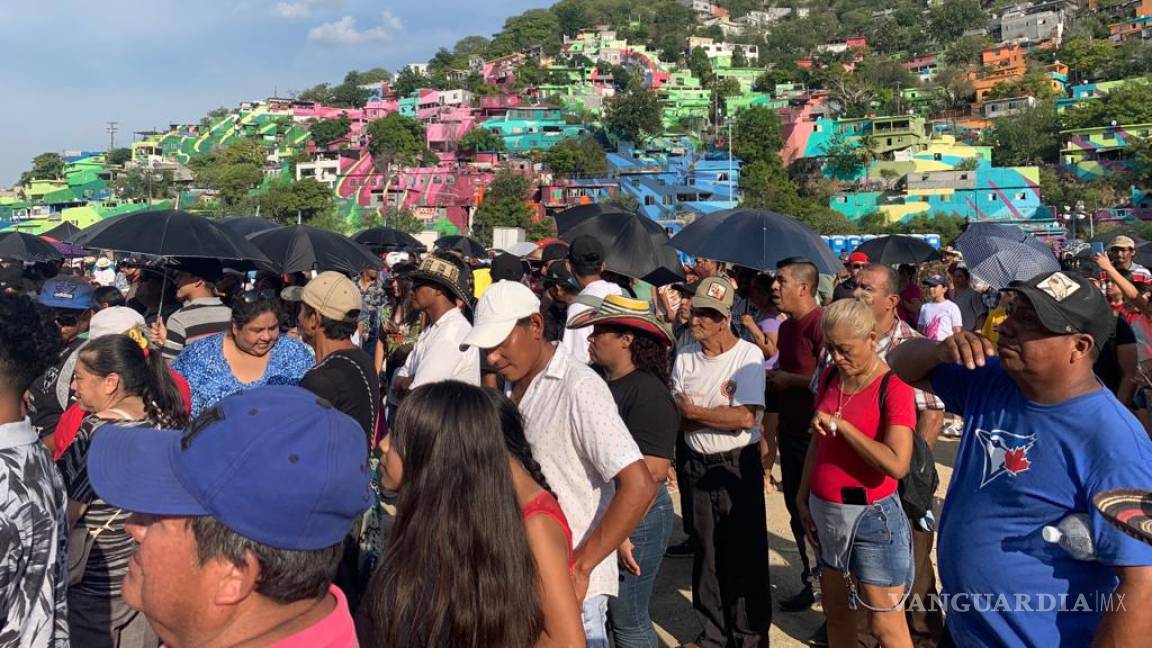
672	600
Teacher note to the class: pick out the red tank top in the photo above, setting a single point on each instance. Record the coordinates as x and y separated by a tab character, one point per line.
545	504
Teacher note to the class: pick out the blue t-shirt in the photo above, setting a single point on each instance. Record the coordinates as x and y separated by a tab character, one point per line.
1021	466
203	365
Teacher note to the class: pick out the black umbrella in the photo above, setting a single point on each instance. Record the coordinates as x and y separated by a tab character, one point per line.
634	246
465	245
754	238
573	216
300	248
898	248
999	254
168	233
247	225
62	232
388	239
21	246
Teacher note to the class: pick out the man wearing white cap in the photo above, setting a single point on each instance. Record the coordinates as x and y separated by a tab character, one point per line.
577	436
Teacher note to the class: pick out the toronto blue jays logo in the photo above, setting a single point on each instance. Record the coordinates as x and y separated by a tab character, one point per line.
1004	453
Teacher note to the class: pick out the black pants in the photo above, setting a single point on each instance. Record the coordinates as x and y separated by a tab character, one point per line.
730	590
683	485
793	452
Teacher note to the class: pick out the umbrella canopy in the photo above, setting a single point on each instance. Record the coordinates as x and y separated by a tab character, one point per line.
754	238
465	245
896	249
1106	237
168	233
521	249
388	239
21	246
300	248
635	246
62	232
572	216
67	249
999	254
247	225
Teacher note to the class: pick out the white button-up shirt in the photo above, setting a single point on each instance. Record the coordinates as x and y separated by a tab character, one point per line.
575	341
436	356
577	436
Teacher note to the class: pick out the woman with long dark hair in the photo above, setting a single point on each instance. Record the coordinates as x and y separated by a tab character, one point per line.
631	345
549	535
118	380
251	354
458	570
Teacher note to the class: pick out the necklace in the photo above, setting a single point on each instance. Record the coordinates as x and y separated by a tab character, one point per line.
842	402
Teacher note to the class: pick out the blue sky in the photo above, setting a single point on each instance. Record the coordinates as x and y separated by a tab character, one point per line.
72	66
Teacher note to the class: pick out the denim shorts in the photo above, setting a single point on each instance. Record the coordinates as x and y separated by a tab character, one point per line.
878	553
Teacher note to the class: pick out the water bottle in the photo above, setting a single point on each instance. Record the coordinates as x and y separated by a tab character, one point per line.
1073	535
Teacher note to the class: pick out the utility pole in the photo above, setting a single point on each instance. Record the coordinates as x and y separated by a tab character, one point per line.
731	190
113	128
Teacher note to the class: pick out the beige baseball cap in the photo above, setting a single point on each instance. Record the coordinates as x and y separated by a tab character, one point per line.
715	293
1123	242
333	296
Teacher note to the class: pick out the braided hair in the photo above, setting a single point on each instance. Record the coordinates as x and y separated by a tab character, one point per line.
514	439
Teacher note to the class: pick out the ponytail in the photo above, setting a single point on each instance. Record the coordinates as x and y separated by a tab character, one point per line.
142	372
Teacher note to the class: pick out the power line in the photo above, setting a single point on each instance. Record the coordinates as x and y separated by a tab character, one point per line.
113	128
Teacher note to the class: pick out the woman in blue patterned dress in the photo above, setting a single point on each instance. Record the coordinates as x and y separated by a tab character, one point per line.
250	355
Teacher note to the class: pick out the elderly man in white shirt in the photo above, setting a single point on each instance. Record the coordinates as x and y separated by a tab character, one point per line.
577	436
438	285
586	261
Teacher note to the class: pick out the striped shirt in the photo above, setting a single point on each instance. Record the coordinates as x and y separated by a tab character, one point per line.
199	318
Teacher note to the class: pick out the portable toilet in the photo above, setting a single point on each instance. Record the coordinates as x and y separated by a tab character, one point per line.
853	241
933	240
837	243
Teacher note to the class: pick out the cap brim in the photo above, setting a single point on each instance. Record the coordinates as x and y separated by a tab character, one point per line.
488	335
457	291
1046	312
590	318
702	301
132	468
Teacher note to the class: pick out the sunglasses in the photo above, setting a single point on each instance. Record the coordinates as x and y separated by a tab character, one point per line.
856	266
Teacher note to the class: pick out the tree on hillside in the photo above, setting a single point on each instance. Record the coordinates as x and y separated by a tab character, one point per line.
285	201
951	18
739	59
505	204
329	130
571	16
576	157
634	115
756	135
533	28
480	140
883	73
966	50
1131	103
843	160
142	184
46	166
408	81
471	46
395	141
232	171
374	75
320	93
119	156
700	65
349	95
1087	59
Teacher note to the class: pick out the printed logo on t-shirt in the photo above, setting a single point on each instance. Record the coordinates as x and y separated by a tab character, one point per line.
1005	453
728	389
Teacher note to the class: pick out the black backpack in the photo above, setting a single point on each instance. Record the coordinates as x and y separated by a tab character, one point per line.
918	488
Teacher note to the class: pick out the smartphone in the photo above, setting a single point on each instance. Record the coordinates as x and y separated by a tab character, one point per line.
853	495
1097	247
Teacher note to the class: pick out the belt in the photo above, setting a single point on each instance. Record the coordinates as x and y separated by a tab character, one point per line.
720	457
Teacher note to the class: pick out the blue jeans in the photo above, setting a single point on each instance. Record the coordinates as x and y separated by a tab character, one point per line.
631	622
595	618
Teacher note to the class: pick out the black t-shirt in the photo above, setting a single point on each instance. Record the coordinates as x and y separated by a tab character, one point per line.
845	289
348	380
1107	365
649	412
44	407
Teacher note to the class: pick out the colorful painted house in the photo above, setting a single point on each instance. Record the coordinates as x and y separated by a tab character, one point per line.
527	128
1091	153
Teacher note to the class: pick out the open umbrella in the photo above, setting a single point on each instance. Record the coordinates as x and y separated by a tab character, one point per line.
168	233
246	225
572	216
21	246
300	248
388	239
465	245
634	246
896	249
754	238
62	232
67	249
521	249
999	254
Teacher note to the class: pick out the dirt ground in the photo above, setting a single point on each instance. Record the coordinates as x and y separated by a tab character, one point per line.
672	599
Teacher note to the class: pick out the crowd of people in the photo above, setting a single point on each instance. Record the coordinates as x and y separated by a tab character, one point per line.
487	452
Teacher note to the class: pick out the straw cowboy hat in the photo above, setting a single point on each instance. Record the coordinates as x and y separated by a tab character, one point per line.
623	311
453	275
1128	509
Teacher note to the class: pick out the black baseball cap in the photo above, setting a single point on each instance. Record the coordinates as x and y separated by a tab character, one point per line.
553	251
586	251
1067	303
206	269
686	289
507	266
557	273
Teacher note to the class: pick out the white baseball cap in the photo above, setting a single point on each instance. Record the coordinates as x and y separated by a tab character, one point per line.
503	304
114	320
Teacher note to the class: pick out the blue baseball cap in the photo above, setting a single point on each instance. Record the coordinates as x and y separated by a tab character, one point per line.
277	465
66	292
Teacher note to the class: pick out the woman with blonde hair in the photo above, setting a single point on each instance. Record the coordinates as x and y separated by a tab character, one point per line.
848	499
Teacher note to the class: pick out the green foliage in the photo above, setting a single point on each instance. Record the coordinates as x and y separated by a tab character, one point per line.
727	87
329	130
505	204
634	115
843	160
285	200
119	156
396	139
1131	103
739	59
1087	59
881	72
624	201
966	50
320	93
142	184
409	81
949	19
401	219
756	135
1026	138
533	28
1060	189
577	157
46	166
700	65
231	172
374	75
481	140
349	95
1034	84
571	16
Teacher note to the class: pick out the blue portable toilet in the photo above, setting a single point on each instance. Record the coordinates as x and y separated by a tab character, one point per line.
933	240
853	241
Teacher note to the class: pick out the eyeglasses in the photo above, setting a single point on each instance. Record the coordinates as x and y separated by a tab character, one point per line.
856	266
253	296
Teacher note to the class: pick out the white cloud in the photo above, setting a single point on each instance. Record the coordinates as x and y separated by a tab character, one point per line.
302	8
344	32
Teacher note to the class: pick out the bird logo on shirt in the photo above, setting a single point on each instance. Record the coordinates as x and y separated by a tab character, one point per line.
1004	453
728	389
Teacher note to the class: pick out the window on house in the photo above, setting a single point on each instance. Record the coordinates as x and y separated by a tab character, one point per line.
1021	195
648	200
963	176
992	196
936	157
889	141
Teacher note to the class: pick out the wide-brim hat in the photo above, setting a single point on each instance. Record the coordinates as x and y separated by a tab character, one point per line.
1129	509
627	312
456	278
